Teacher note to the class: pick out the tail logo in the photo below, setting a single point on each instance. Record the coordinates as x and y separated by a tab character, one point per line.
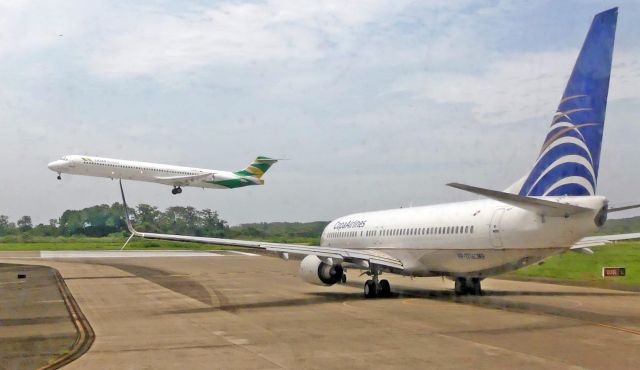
565	160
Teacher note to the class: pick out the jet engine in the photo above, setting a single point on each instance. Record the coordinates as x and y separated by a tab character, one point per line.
314	271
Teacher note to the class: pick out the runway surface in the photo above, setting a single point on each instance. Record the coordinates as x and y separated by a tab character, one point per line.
246	312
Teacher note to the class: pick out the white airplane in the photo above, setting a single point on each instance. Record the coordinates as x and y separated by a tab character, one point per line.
549	211
176	176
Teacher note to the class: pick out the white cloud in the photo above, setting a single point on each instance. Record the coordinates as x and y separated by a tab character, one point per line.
233	32
515	87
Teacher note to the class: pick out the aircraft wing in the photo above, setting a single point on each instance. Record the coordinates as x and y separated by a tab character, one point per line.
584	244
360	257
184	180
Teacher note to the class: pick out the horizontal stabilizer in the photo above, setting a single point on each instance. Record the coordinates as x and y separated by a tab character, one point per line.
542	206
594	241
623	208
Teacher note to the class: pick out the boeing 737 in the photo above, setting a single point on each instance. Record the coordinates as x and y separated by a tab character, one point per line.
176	176
549	211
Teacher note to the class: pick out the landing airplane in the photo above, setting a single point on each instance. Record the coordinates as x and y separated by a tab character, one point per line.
176	176
549	211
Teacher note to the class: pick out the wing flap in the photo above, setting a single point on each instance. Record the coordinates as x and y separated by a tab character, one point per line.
183	180
623	208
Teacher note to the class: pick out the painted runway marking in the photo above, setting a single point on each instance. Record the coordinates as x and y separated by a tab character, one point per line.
244	253
130	254
636	332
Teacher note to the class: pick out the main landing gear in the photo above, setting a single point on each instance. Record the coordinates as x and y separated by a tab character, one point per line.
176	190
59	177
376	288
466	286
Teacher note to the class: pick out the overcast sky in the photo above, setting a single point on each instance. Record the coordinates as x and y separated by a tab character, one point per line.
377	104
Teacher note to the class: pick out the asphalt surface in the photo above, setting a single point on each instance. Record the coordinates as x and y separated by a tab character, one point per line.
35	327
253	312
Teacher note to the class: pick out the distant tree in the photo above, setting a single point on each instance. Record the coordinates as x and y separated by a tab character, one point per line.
71	223
7	227
4	221
147	217
212	224
100	220
24	223
44	230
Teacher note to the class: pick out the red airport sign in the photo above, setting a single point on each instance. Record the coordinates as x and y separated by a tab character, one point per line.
613	271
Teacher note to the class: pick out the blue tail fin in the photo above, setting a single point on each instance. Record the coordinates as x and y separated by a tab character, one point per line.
569	158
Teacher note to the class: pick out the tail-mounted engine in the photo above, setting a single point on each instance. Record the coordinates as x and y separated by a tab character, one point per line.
314	271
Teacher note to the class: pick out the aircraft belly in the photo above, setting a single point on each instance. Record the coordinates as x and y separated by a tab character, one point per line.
476	262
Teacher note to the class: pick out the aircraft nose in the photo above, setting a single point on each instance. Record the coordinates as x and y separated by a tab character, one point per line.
55	165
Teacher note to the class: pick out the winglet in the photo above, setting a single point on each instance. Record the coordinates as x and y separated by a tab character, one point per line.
542	206
126	213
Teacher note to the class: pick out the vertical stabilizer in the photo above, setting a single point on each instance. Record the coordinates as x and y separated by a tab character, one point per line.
570	155
259	166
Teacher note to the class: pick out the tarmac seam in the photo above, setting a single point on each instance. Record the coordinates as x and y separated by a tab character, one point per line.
86	335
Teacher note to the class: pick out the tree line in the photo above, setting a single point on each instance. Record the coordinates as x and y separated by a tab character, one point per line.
103	220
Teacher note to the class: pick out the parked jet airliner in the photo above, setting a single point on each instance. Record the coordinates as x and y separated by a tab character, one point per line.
176	176
549	211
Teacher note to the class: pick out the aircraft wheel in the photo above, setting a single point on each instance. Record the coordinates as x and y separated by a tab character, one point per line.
179	190
59	177
475	288
174	191
461	286
385	288
370	289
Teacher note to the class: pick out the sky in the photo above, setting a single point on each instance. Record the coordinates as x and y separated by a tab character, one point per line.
375	104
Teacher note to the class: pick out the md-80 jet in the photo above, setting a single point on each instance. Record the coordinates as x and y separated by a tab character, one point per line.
552	209
176	176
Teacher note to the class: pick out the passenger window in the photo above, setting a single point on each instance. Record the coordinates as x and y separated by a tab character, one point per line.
471	229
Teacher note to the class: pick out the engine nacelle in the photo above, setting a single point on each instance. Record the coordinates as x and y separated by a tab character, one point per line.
314	271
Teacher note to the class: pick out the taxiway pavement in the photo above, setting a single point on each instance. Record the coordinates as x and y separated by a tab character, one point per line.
253	312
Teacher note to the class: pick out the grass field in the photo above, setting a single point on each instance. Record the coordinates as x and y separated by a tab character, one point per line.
572	266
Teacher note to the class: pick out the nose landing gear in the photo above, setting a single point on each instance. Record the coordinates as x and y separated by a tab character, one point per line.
176	190
59	177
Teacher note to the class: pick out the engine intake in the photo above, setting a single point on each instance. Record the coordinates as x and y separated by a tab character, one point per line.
314	271
601	217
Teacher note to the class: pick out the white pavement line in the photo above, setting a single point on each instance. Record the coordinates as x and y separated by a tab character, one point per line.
125	254
244	253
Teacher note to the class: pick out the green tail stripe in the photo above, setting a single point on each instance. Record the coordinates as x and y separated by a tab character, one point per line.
258	167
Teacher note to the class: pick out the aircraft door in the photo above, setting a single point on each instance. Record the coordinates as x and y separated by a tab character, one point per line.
495	227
